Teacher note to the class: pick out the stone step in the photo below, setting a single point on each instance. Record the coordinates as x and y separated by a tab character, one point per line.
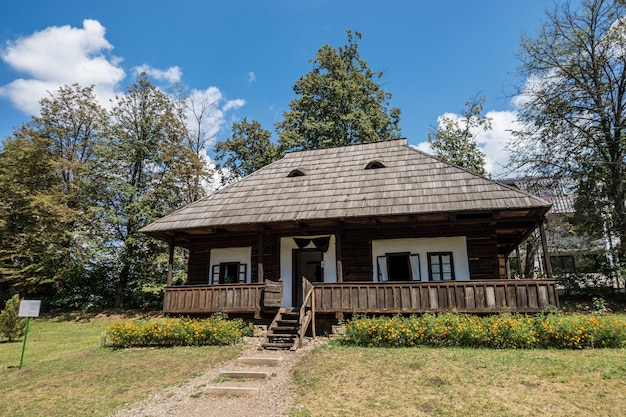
245	374
232	391
260	361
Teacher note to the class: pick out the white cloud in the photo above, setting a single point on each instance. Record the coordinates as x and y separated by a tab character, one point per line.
251	77
171	75
492	142
234	104
207	113
60	55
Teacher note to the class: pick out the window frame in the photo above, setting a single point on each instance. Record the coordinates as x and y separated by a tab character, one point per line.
414	266
559	264
440	264
220	271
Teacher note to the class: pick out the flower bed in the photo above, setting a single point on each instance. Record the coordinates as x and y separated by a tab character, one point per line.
216	330
504	331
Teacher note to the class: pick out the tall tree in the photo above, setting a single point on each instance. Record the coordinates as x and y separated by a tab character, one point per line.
73	121
340	102
199	107
454	140
41	179
34	220
573	107
135	179
249	149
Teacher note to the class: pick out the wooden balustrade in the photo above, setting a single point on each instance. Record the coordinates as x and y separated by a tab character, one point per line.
201	299
523	296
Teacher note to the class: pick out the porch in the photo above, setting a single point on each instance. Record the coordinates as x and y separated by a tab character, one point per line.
479	297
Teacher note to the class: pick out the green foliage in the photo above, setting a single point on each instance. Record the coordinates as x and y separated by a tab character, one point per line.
11	326
504	331
584	284
454	140
247	150
572	109
216	330
135	179
42	193
35	220
78	182
339	103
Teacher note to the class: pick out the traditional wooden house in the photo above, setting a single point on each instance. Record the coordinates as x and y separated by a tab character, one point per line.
371	228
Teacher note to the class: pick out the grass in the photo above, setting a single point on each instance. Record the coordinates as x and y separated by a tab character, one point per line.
66	372
350	381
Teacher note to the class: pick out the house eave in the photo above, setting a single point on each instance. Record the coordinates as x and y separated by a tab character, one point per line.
512	225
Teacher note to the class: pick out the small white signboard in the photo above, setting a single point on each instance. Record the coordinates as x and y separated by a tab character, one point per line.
29	308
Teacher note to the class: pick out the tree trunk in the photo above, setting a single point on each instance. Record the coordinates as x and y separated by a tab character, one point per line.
122	283
531	251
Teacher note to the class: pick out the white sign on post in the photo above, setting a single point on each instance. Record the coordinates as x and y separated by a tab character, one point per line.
29	308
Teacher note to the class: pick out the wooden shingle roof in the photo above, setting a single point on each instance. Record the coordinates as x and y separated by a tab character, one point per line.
337	185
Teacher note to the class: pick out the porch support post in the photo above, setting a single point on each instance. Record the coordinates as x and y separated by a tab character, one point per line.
520	270
170	263
338	255
546	255
507	266
260	277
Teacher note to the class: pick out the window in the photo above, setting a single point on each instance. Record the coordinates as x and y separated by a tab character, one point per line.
229	273
375	165
400	266
563	264
295	173
440	266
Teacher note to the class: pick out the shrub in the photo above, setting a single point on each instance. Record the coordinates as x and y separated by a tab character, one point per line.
216	330
12	326
503	331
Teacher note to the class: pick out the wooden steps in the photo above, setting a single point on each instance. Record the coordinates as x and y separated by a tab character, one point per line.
283	333
231	391
244	375
260	361
239	382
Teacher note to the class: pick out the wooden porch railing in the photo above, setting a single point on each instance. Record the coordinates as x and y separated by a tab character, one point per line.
523	296
488	296
307	310
200	299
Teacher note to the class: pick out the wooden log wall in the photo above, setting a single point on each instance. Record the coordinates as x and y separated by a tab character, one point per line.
200	253
482	254
356	249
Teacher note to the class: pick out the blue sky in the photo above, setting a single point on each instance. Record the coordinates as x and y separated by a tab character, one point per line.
248	53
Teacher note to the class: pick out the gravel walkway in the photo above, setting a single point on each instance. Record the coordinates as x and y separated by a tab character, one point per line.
190	399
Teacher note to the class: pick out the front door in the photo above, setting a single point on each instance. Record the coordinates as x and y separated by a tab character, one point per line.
306	263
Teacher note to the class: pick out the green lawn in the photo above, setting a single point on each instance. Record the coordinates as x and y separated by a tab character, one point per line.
348	381
67	373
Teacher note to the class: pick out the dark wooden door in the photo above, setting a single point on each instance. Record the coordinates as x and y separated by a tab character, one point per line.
306	263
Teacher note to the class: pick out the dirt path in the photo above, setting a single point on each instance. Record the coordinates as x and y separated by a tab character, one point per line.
192	398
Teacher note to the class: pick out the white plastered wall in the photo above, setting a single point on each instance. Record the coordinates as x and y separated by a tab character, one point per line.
457	245
243	255
287	245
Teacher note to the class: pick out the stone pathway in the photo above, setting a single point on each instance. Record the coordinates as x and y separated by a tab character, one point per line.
255	384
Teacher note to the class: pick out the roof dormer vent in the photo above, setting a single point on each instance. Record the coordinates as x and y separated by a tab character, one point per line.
295	173
374	165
